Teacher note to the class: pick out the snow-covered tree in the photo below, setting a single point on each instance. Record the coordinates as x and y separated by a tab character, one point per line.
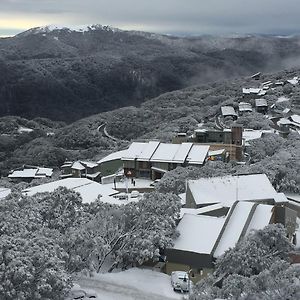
32	269
256	268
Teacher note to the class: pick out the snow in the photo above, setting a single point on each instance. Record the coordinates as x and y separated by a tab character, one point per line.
4	192
261	102
197	154
228	111
45	171
199	211
244	106
77	166
166	153
148	151
24	129
261	218
216	152
298	234
296	118
282	99
26	173
234	227
207	229
131	284
231	188
293	81
134	151
249	135
114	156
89	164
89	190
182	152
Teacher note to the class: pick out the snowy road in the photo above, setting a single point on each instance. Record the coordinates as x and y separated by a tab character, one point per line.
131	285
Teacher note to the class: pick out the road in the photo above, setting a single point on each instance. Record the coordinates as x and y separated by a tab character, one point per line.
112	291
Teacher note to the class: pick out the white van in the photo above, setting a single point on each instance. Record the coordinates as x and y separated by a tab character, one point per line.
180	281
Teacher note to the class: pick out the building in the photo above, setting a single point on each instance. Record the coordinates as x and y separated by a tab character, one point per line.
89	190
28	173
228	111
253	93
244	107
153	159
205	238
4	192
229	139
261	105
111	163
227	189
81	169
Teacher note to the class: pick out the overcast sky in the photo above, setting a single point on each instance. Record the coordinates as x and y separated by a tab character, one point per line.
188	17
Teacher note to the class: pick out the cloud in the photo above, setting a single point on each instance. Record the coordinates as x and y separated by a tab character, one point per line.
189	16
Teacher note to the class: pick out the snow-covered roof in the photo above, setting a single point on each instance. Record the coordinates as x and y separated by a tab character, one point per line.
134	151
228	111
261	217
89	164
237	218
232	188
26	173
249	135
197	154
148	151
293	81
4	192
216	152
77	166
113	156
282	99
296	118
200	211
207	230
45	171
23	129
88	189
261	102
243	106
173	153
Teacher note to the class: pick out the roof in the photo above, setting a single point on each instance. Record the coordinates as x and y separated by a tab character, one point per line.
32	173
89	164
216	152
295	118
228	111
243	106
88	189
148	151
261	102
237	218
197	154
231	188
134	151
241	219
199	211
77	166
113	156
4	192
249	135
205	241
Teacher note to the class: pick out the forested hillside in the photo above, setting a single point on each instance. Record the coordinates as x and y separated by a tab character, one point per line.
66	75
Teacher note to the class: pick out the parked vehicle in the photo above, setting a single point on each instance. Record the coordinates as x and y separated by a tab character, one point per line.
122	196
80	294
155	182
134	194
180	281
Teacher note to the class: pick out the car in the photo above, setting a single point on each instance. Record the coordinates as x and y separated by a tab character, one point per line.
155	182
122	196
134	194
180	281
78	294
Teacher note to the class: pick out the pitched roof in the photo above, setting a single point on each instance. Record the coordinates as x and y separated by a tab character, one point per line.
113	156
77	166
206	228
228	111
231	188
88	189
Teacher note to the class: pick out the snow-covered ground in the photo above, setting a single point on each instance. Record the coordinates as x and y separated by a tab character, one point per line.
137	284
140	183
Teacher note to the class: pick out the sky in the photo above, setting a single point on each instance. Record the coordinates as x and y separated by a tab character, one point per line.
179	17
